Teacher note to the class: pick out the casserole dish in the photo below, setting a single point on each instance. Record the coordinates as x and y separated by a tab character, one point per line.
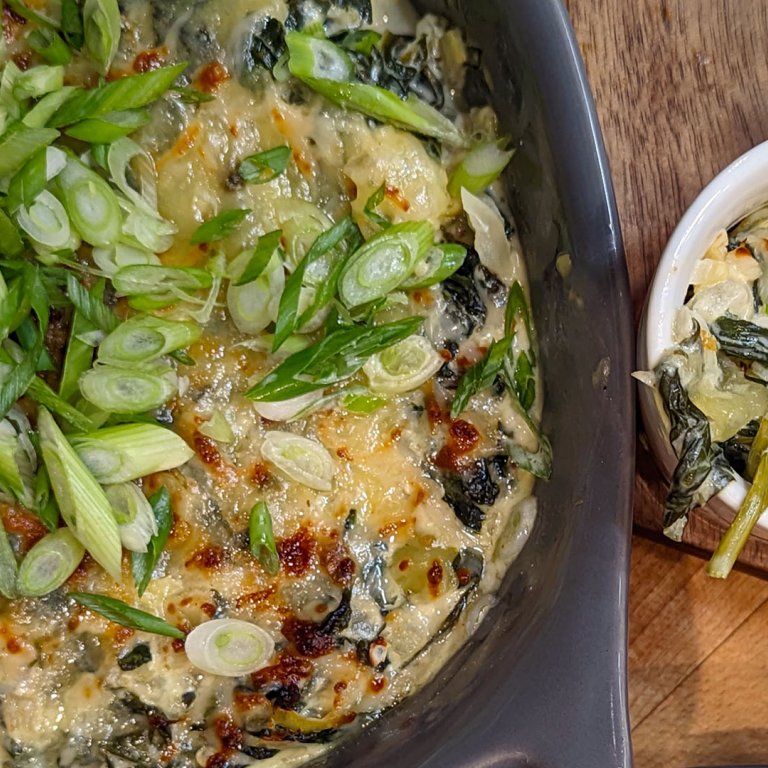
542	682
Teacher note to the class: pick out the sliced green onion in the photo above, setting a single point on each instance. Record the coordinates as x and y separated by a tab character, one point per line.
38	81
339	356
33	178
130	451
265	341
49	563
15	382
41	113
265	166
111	260
220	227
8	567
105	130
384	262
191	95
16	471
11	243
143	563
372	203
72	23
254	306
151	280
91	204
216	268
20	143
361	403
120	157
45	504
126	93
229	647
128	392
361	41
438	264
403	367
78	358
285	410
134	515
91	305
82	502
42	394
299	458
101	28
142	339
480	376
125	615
261	257
327	69
302	223
217	428
481	166
23	10
262	540
48	44
46	221
11	108
182	357
318	58
324	245
148	229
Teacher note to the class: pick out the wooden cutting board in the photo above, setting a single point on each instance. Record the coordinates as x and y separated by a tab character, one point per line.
681	88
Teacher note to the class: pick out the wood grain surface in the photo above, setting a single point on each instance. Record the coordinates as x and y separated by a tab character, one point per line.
681	88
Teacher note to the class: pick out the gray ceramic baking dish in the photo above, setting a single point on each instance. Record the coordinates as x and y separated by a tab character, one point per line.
542	683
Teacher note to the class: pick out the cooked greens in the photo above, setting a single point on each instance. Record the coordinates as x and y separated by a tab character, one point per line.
713	384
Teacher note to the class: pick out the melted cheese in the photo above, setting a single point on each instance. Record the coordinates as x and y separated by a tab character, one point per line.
385	532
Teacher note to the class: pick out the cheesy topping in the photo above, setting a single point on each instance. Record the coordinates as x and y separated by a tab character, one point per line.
390	557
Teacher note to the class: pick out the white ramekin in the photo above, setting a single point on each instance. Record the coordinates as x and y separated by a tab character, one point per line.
735	192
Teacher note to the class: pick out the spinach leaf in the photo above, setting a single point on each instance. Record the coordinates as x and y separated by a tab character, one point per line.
741	339
702	469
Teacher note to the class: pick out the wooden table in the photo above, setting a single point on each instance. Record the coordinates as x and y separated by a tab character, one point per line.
681	88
